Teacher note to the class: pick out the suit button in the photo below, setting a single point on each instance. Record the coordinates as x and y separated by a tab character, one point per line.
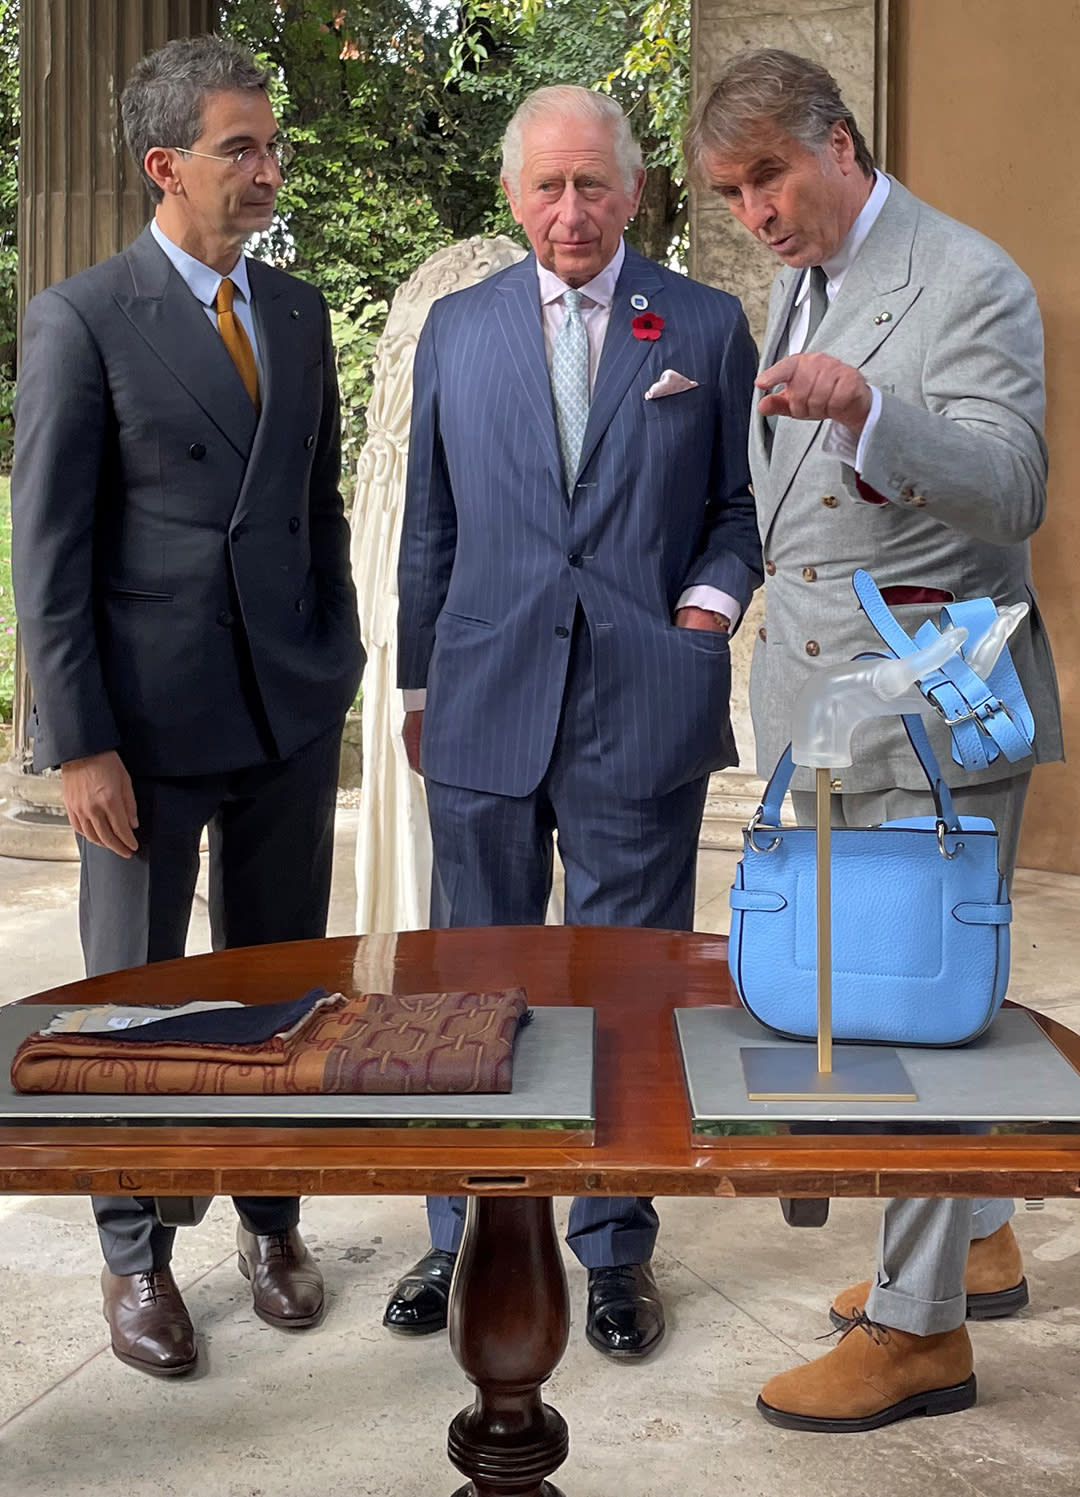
809	574
225	619
561	632
836	786
294	525
761	634
309	441
906	493
830	501
575	558
812	647
197	451
770	567
917	501
299	605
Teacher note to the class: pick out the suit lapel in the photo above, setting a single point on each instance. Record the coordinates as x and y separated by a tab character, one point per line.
285	346
517	314
876	293
175	325
782	302
623	354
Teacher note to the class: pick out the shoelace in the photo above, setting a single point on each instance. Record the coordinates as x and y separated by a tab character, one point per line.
879	1334
153	1286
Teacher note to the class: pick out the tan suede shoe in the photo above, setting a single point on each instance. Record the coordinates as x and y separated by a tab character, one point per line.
994	1280
149	1324
874	1376
286	1284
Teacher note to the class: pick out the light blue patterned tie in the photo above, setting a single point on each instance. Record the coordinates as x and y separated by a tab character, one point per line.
570	384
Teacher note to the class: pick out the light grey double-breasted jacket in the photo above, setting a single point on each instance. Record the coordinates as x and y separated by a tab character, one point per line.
947	327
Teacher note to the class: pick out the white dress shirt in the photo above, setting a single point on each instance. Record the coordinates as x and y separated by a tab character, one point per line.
203	283
840	441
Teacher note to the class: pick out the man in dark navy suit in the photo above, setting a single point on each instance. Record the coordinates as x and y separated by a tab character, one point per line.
181	565
579	541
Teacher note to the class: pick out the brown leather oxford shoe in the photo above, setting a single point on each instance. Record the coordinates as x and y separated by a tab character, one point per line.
286	1285
150	1326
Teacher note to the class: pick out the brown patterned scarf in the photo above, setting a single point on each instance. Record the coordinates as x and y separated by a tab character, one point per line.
376	1043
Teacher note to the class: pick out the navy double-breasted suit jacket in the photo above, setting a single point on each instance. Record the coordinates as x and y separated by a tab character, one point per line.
181	566
497	556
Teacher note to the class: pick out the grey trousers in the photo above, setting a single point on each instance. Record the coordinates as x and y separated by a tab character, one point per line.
271	830
919	1282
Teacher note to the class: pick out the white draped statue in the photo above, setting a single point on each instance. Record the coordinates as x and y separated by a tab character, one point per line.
393	849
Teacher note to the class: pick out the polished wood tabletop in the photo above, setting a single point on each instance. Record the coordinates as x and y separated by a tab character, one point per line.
631	978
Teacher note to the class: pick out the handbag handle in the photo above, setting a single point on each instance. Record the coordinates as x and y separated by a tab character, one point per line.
768	813
975	710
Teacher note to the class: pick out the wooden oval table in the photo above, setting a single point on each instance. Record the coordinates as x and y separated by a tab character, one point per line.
509	1310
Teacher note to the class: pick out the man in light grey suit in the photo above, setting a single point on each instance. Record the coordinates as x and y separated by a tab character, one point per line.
578	541
181	564
897	426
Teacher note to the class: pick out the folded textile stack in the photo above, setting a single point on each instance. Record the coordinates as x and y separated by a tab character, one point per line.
375	1043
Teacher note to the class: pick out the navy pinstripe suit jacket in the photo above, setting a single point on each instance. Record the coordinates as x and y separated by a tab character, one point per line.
496	557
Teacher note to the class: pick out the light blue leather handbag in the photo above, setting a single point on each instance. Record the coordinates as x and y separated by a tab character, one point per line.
920	922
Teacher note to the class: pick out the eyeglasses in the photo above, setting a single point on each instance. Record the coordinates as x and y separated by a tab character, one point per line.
249	159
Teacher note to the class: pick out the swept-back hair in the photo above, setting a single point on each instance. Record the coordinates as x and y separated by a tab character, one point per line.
162	102
769	87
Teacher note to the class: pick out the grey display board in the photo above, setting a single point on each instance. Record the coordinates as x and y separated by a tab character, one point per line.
553	1091
1013	1079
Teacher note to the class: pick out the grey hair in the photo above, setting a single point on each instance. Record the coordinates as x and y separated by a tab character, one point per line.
769	87
575	103
162	102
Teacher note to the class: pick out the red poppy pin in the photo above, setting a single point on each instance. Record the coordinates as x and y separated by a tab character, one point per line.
647	326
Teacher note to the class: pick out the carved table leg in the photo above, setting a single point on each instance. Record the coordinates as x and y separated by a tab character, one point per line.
509	1319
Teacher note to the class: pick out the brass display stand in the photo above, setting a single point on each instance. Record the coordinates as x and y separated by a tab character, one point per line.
851	1073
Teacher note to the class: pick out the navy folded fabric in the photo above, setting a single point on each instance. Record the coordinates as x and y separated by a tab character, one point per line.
253	1024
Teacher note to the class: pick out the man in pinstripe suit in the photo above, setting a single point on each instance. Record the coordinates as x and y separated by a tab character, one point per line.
578	544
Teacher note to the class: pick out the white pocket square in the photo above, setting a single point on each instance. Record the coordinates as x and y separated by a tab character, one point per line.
671	382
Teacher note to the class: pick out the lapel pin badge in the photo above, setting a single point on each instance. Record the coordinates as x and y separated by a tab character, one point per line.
639	302
882	317
294	313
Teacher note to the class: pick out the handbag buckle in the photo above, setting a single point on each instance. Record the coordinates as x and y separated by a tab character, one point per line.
942	849
755	822
980	714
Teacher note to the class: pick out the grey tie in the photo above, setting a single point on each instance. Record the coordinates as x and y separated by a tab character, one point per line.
570	384
819	305
819	302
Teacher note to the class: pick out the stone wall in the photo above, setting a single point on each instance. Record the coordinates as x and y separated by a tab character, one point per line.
845	39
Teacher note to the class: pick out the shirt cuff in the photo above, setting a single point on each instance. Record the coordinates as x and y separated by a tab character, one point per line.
711	599
415	698
840	441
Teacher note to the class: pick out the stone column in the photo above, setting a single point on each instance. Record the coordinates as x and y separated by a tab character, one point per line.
80	200
850	40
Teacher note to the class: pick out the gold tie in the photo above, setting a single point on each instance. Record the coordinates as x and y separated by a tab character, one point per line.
236	340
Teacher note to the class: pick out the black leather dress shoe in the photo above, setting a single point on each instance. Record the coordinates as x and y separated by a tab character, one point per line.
626	1316
420	1301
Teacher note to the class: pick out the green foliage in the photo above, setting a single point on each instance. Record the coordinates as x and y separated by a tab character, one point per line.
639	53
397	109
7	607
355	332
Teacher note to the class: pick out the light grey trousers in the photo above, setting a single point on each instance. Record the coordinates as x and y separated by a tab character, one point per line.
919	1283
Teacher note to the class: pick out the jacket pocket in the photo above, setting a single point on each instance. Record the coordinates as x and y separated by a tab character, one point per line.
467	619
138	595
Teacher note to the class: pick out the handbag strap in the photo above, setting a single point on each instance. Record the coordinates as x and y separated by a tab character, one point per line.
768	813
975	710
